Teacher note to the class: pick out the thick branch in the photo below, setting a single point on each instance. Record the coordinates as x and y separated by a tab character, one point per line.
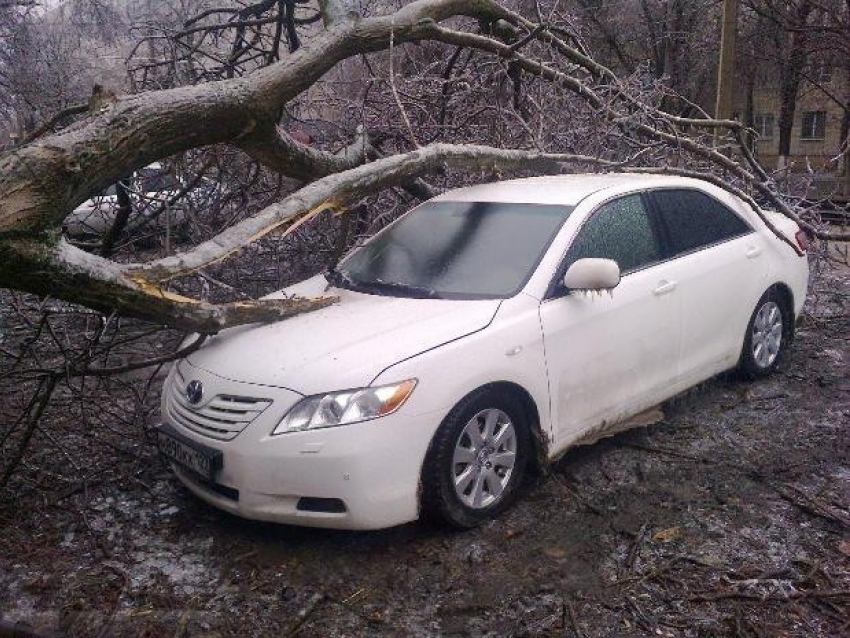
276	149
281	152
67	273
338	190
40	183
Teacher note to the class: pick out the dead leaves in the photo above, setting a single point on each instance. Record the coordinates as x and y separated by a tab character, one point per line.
667	535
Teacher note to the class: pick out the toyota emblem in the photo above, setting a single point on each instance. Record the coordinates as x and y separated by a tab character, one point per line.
194	392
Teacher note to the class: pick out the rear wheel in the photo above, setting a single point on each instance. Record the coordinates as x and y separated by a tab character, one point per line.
477	461
768	335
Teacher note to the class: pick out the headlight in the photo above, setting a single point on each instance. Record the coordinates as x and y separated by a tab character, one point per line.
342	408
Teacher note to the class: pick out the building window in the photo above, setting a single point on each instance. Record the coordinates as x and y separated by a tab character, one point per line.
763	124
821	74
814	125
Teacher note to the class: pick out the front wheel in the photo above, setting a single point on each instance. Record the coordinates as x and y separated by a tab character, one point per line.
768	334
477	461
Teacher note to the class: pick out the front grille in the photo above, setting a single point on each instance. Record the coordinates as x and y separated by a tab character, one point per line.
222	418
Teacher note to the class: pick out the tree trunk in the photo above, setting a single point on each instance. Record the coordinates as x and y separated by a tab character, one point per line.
790	77
845	136
122	216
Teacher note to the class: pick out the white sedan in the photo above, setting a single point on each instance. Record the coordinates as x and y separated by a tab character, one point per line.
476	339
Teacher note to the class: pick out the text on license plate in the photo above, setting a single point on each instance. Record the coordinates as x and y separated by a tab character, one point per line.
199	459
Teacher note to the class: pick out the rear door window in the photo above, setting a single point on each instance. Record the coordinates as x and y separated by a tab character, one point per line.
691	220
620	230
153	181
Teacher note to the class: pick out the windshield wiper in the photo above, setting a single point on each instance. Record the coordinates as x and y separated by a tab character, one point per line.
339	279
342	279
406	290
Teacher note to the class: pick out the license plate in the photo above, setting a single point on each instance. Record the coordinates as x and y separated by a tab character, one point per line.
189	454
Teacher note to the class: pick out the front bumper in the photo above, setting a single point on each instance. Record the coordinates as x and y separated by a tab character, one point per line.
373	468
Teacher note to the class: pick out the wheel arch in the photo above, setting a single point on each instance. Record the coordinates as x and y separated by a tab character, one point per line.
540	458
784	290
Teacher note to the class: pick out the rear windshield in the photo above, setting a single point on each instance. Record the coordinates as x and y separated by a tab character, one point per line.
457	250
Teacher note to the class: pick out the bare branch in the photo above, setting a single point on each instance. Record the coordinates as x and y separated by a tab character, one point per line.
180	353
338	190
76	109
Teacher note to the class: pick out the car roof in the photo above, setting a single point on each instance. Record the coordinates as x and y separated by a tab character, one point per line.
562	189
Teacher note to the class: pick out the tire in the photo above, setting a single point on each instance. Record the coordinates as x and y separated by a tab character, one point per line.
466	483
769	332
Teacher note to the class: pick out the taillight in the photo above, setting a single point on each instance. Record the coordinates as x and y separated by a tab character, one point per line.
803	239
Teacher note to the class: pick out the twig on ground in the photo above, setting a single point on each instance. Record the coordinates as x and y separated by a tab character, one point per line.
571	614
667	452
305	613
811	505
577	495
125	584
830	594
640	539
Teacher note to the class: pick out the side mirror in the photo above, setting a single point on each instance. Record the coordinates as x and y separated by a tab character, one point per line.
592	274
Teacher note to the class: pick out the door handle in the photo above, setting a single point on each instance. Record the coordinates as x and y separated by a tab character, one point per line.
664	287
753	252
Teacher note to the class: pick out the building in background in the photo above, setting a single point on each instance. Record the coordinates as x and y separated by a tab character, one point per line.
819	127
792	86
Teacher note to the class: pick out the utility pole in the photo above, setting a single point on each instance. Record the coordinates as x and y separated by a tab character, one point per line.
726	68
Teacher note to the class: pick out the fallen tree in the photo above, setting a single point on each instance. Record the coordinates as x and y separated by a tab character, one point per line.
42	181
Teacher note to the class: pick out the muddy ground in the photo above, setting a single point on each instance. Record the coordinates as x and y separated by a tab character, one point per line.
731	517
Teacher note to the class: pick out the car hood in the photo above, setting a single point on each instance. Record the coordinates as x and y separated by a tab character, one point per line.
343	346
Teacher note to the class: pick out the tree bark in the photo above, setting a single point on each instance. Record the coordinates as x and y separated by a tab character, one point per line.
790	78
40	183
67	273
122	217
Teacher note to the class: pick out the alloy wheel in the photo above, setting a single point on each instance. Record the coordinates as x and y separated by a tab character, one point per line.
484	458
767	334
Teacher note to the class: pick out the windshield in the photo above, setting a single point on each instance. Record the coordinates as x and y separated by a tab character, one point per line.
455	250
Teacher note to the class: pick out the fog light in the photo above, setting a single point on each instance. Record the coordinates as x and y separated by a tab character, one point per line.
326	505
